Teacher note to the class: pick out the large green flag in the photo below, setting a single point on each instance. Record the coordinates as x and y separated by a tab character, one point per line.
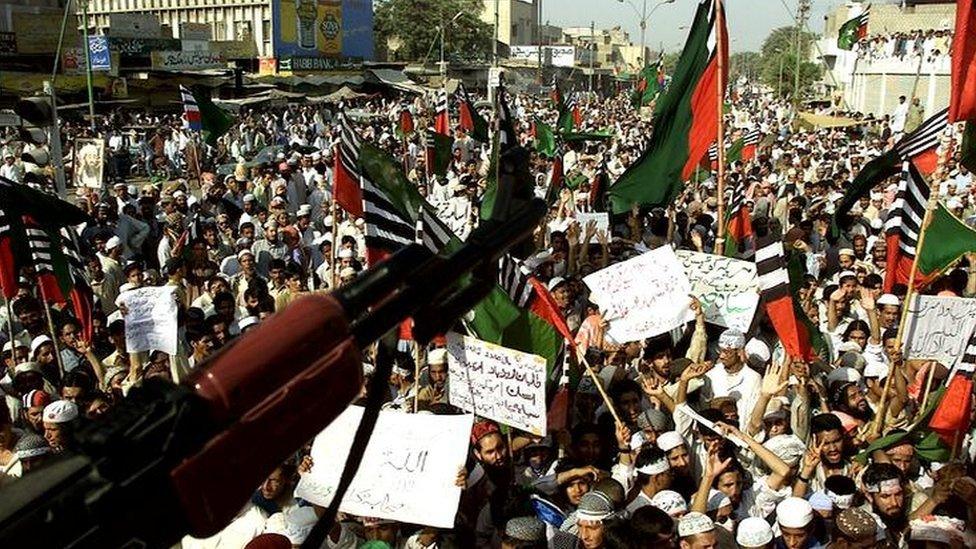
647	86
499	320
685	123
215	121
545	139
947	239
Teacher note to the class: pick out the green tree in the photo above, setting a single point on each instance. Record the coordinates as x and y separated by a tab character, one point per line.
409	30
778	62
746	64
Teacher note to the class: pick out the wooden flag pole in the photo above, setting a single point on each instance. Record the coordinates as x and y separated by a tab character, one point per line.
416	376
10	329
599	387
719	99
334	212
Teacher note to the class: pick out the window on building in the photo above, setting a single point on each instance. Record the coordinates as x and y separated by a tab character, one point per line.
219	30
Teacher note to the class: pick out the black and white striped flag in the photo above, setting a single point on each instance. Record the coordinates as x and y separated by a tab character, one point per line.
908	211
514	281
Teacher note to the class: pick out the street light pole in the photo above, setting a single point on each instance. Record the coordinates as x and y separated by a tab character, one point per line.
88	70
643	27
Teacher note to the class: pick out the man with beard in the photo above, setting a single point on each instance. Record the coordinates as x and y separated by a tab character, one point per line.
828	456
435	392
487	484
889	307
730	377
848	404
884	490
676	451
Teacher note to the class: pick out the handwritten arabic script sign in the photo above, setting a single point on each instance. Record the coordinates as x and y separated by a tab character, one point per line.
727	288
407	472
642	297
502	384
150	319
938	328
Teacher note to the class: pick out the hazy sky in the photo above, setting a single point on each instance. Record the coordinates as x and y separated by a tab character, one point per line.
749	21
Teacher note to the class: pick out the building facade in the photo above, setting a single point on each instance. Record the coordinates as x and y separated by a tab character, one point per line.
907	54
518	20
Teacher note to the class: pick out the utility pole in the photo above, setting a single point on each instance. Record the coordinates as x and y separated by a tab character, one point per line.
495	45
802	10
592	53
538	38
643	27
88	71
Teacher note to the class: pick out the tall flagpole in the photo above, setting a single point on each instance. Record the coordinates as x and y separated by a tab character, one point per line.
720	145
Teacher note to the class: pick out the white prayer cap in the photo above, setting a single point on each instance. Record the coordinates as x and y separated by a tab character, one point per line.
244	252
876	368
38	341
716	500
60	411
846	251
670	502
694	523
759	351
345	253
843	374
322	239
9	346
788	448
846	274
754	532
113	242
247	322
889	299
669	440
249	197
177	194
303	210
555	283
794	512
731	339
437	356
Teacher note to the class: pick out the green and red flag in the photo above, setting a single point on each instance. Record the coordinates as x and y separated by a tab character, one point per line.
686	118
853	30
469	119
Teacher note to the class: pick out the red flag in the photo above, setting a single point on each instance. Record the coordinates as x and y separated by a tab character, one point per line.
951	417
406	121
774	279
577	116
442	120
83	305
8	267
346	191
962	102
545	308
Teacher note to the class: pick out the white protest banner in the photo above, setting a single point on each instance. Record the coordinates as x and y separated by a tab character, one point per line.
602	220
150	319
407	472
642	297
502	384
727	288
938	328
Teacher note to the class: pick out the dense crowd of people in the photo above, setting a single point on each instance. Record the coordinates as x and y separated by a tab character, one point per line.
724	441
932	45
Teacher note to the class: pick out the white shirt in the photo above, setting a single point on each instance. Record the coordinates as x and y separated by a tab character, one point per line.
742	387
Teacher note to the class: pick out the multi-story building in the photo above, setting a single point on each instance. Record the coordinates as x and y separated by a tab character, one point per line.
518	20
300	30
610	47
905	54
